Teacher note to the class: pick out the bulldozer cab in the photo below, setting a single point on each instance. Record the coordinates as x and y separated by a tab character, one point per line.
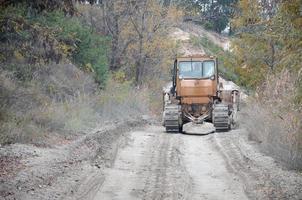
195	79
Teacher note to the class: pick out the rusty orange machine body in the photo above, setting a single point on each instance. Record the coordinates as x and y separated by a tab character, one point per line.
195	94
196	84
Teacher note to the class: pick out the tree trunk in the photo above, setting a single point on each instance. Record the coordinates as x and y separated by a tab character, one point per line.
115	54
272	63
140	31
112	18
139	66
167	3
114	57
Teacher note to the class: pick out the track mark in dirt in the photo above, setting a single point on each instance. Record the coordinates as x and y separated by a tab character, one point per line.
168	178
150	167
157	165
260	174
211	177
71	171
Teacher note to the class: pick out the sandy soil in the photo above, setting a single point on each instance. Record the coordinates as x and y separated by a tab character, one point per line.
216	38
156	165
59	172
186	30
183	37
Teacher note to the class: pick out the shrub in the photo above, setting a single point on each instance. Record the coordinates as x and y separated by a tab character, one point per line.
80	42
208	25
275	120
51	36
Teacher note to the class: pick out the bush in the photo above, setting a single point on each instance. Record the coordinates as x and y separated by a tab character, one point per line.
218	24
121	101
51	36
274	119
81	43
62	101
209	26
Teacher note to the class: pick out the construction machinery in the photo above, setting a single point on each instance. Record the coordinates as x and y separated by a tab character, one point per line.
197	94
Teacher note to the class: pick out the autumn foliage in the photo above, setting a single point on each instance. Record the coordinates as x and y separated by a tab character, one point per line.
268	55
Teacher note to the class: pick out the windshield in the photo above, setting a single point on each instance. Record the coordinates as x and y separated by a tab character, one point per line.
196	69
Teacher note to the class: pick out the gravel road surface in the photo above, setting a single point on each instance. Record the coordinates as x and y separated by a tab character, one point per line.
157	165
122	163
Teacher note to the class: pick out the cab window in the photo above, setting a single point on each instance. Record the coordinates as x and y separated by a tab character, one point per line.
196	69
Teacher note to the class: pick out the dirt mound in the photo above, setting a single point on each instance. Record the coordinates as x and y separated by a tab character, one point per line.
184	37
51	173
184	33
216	38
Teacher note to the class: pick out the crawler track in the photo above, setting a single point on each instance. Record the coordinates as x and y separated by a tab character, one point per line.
172	118
221	119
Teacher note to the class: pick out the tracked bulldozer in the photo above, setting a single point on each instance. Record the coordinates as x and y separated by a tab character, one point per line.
197	94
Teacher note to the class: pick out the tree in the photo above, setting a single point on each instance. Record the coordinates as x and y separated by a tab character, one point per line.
138	31
148	26
40	5
263	42
113	11
212	14
140	45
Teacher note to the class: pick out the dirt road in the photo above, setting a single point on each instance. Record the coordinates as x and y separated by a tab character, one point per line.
122	163
157	165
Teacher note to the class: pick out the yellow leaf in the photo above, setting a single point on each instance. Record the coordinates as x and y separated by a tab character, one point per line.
88	67
18	55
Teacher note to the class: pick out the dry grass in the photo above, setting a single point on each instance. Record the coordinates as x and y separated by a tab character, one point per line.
275	120
62	101
122	101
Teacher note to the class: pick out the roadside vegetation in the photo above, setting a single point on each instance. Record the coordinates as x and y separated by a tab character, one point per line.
268	56
66	67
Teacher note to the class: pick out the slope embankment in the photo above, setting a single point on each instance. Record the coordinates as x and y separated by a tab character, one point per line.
61	171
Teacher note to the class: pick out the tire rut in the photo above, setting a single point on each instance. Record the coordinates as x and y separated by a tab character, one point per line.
167	176
260	174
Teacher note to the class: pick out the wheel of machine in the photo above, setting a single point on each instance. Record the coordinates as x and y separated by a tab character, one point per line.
221	117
